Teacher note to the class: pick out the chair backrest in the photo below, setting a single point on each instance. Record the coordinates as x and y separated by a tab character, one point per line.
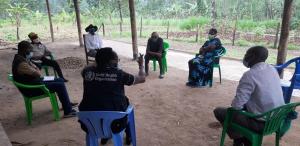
85	49
220	52
98	123
275	118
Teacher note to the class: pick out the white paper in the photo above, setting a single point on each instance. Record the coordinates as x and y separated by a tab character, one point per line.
48	78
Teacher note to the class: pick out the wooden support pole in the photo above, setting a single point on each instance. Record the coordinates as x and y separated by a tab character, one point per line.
50	20
77	12
133	29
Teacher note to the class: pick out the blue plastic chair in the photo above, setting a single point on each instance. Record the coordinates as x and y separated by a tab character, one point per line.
98	124
294	83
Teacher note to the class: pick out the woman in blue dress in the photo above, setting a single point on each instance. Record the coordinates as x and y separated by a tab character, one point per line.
200	67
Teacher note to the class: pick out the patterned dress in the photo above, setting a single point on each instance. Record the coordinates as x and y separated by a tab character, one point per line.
201	67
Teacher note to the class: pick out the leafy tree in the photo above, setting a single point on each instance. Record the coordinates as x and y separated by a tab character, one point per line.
15	12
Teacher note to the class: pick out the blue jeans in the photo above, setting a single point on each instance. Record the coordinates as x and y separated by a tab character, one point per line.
59	87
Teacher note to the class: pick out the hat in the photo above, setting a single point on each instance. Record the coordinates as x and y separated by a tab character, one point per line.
90	27
32	35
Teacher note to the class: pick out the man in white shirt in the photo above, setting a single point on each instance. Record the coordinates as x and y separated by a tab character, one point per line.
92	40
258	91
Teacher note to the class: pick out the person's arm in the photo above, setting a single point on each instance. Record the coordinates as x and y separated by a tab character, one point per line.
47	52
27	69
243	93
141	77
100	42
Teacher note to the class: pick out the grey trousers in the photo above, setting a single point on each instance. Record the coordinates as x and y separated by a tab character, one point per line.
250	123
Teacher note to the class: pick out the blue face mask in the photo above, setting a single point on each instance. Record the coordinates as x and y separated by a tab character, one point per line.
29	56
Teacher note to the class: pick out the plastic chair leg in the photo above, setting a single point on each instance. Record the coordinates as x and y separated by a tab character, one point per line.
220	75
28	106
277	138
223	136
91	141
132	127
55	107
117	139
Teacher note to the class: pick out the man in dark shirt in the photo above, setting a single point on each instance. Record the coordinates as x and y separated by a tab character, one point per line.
104	85
154	51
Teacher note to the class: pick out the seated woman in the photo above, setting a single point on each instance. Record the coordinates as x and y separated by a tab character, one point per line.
103	86
24	71
200	67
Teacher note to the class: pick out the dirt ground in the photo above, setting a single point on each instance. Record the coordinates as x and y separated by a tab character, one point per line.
166	111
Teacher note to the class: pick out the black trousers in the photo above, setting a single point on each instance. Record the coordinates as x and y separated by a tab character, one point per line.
52	63
250	123
148	57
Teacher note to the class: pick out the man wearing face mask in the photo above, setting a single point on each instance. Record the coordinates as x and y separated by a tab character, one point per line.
24	71
154	50
40	54
200	67
258	91
93	41
103	86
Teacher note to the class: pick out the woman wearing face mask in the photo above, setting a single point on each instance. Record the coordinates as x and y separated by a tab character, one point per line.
24	71
200	67
92	41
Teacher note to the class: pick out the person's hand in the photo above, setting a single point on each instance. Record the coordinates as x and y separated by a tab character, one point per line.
140	59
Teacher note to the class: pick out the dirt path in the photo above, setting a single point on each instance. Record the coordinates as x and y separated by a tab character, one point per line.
167	112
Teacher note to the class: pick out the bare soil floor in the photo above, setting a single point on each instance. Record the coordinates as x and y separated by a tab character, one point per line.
167	112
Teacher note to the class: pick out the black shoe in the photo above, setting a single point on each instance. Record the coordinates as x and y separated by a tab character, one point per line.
73	113
128	140
65	80
104	141
161	76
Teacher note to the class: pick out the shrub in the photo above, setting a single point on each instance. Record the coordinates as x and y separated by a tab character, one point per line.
192	23
293	47
243	43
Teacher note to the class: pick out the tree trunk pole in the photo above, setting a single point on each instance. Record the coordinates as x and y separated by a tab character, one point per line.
213	13
77	12
282	47
50	20
141	29
133	29
277	35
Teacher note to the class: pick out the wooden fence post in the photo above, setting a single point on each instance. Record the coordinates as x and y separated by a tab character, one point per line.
277	35
168	27
103	29
197	32
234	31
141	29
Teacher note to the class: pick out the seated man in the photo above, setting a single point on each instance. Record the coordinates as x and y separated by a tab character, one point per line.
93	41
40	53
154	51
258	91
200	67
104	87
24	71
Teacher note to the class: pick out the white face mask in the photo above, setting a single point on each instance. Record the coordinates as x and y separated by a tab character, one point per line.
36	40
29	56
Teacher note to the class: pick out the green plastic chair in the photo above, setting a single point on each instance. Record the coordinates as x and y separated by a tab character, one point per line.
274	122
46	68
166	46
217	65
28	100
